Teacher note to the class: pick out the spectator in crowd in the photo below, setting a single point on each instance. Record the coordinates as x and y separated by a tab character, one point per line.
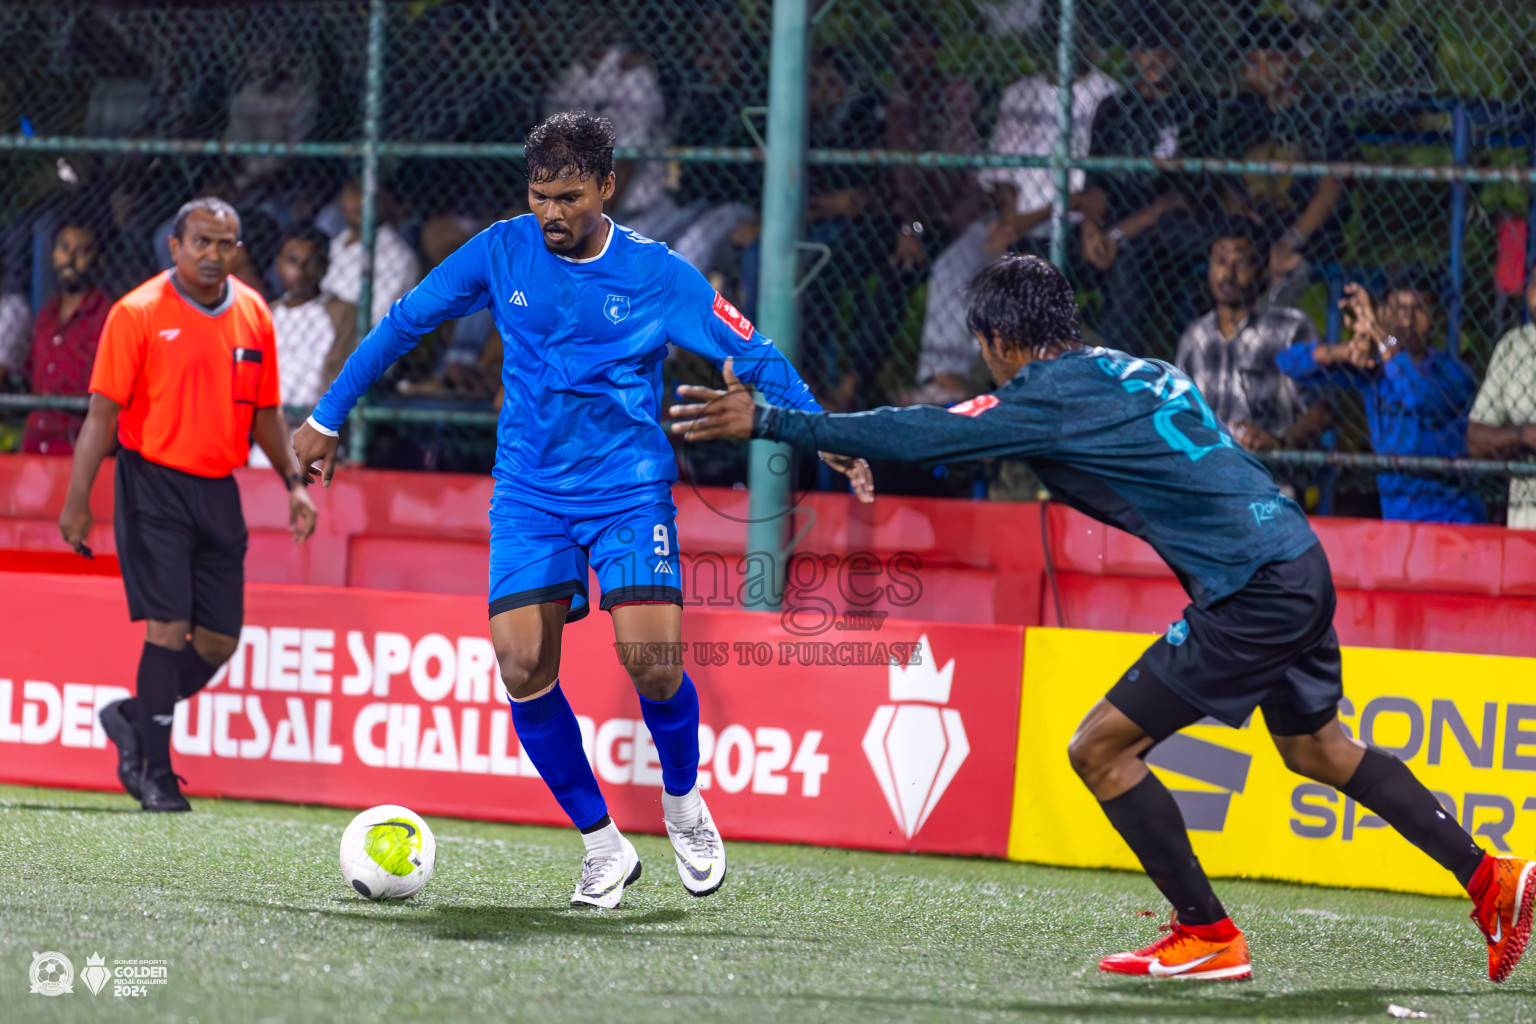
458	359
1021	196
64	338
1503	418
928	110
1417	396
315	331
841	351
1230	354
274	101
395	268
612	79
719	198
260	237
1299	219
15	331
1137	228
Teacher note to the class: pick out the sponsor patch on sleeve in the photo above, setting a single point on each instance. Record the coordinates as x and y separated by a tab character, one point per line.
733	317
975	406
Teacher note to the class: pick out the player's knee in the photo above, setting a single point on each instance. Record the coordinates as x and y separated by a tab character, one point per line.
656	682
170	635
526	673
215	648
1088	756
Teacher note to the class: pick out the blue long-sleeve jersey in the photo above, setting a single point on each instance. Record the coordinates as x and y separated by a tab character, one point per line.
584	342
1413	407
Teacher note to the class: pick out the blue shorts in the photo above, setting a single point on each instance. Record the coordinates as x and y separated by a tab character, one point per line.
539	556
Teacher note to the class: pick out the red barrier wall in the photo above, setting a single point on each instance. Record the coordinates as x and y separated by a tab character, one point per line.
1468	589
350	697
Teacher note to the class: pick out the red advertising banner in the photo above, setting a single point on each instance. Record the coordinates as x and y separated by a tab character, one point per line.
880	734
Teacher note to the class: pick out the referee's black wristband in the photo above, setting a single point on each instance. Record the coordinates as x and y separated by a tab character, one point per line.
294	478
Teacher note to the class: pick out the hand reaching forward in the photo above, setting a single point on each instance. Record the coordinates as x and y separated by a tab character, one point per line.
728	414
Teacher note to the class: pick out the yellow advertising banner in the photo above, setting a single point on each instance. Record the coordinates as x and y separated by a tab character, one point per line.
1465	724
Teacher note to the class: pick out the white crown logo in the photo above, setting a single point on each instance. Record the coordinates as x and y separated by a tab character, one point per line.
920	679
95	974
915	749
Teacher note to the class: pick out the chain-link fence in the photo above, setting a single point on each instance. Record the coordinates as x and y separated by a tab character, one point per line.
1231	167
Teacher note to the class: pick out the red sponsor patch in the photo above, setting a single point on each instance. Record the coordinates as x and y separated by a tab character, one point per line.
733	317
975	406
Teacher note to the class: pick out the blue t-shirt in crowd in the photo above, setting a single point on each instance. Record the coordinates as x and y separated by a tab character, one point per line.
1414	407
1127	441
584	342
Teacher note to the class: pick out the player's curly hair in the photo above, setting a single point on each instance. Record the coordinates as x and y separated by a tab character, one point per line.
573	142
1027	305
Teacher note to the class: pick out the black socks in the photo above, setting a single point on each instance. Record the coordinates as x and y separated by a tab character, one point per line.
193	672
1385	785
1149	820
165	676
159	672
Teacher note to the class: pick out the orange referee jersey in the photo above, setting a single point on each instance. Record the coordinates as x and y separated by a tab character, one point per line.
189	380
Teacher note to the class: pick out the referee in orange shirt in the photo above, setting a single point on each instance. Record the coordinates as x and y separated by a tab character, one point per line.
185	377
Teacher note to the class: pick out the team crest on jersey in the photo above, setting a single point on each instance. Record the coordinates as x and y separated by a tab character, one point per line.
733	317
975	406
616	307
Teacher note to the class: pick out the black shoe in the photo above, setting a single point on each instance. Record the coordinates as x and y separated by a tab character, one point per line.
160	790
126	738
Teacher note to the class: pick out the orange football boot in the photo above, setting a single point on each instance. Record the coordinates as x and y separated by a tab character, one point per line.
1504	912
1184	954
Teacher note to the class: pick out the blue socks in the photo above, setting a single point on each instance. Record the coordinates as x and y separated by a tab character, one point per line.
674	725
546	728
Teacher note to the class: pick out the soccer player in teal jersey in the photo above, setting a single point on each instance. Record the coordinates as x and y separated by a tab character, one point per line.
585	309
1132	443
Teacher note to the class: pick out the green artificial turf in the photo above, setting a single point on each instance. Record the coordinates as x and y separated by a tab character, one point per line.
246	903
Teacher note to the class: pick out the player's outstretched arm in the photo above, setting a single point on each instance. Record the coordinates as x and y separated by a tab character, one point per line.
981	428
732	409
456	287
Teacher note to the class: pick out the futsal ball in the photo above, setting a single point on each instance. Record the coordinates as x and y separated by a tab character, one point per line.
387	853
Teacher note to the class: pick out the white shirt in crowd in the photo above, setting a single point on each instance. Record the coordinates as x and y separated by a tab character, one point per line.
1508	399
395	269
15	332
622	87
304	335
1026	126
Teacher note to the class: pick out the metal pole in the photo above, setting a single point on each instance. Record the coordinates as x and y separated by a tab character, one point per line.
777	312
373	105
1461	152
1061	152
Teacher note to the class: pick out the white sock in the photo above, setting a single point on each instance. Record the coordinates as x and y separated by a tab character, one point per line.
605	842
683	811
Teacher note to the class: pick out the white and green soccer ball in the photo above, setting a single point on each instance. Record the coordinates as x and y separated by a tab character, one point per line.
388	853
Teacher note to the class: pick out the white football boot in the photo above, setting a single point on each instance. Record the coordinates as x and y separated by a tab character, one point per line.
604	877
700	853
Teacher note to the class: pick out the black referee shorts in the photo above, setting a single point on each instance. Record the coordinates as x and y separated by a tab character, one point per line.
1271	645
181	543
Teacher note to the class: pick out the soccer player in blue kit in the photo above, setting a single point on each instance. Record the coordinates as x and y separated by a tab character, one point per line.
585	309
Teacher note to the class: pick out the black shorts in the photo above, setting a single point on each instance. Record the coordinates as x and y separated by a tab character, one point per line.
1271	645
181	544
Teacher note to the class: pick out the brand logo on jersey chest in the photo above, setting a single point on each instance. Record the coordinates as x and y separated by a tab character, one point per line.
616	307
